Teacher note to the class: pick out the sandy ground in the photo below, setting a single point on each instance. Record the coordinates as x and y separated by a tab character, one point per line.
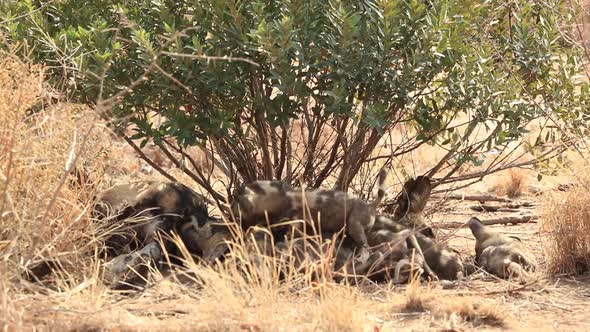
545	303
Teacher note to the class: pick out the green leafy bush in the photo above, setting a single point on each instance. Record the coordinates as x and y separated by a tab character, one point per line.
234	76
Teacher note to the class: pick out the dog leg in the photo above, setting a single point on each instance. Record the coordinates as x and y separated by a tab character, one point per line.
414	243
361	267
357	232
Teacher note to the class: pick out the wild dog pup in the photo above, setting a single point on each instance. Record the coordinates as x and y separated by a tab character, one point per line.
330	209
400	253
446	264
500	254
442	261
135	217
161	208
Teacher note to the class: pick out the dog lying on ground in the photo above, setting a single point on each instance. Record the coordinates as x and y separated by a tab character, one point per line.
499	254
409	214
392	243
163	208
400	256
139	219
260	202
444	263
165	205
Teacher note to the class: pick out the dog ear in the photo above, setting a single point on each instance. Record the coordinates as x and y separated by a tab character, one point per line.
428	232
421	189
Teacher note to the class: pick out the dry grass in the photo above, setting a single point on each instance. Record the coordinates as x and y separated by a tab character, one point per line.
41	212
566	226
415	296
476	312
511	183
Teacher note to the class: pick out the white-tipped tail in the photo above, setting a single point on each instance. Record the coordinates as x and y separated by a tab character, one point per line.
380	189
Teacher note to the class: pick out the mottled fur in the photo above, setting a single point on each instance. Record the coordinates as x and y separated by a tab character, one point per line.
500	254
135	217
443	262
158	206
256	201
411	203
331	209
209	241
446	264
399	256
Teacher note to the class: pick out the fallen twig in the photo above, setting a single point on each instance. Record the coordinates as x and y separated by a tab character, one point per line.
489	208
508	207
531	218
513	290
481	198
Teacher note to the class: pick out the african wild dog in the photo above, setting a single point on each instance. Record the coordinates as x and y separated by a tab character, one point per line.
161	208
499	254
411	203
134	218
330	209
254	202
445	263
400	255
410	214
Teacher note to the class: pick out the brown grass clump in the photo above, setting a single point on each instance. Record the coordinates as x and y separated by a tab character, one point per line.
511	183
415	296
566	227
43	210
472	311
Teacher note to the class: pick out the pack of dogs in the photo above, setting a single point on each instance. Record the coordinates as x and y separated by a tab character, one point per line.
148	225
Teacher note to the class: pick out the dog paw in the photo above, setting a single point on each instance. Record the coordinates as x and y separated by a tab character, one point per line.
363	255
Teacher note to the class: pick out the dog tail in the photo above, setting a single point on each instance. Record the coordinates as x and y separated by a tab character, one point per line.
381	189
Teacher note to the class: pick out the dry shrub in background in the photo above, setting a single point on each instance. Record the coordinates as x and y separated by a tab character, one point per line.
566	227
511	183
43	212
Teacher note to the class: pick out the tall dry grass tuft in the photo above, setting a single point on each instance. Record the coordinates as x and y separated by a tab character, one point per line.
257	289
43	210
511	183
566	227
415	295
